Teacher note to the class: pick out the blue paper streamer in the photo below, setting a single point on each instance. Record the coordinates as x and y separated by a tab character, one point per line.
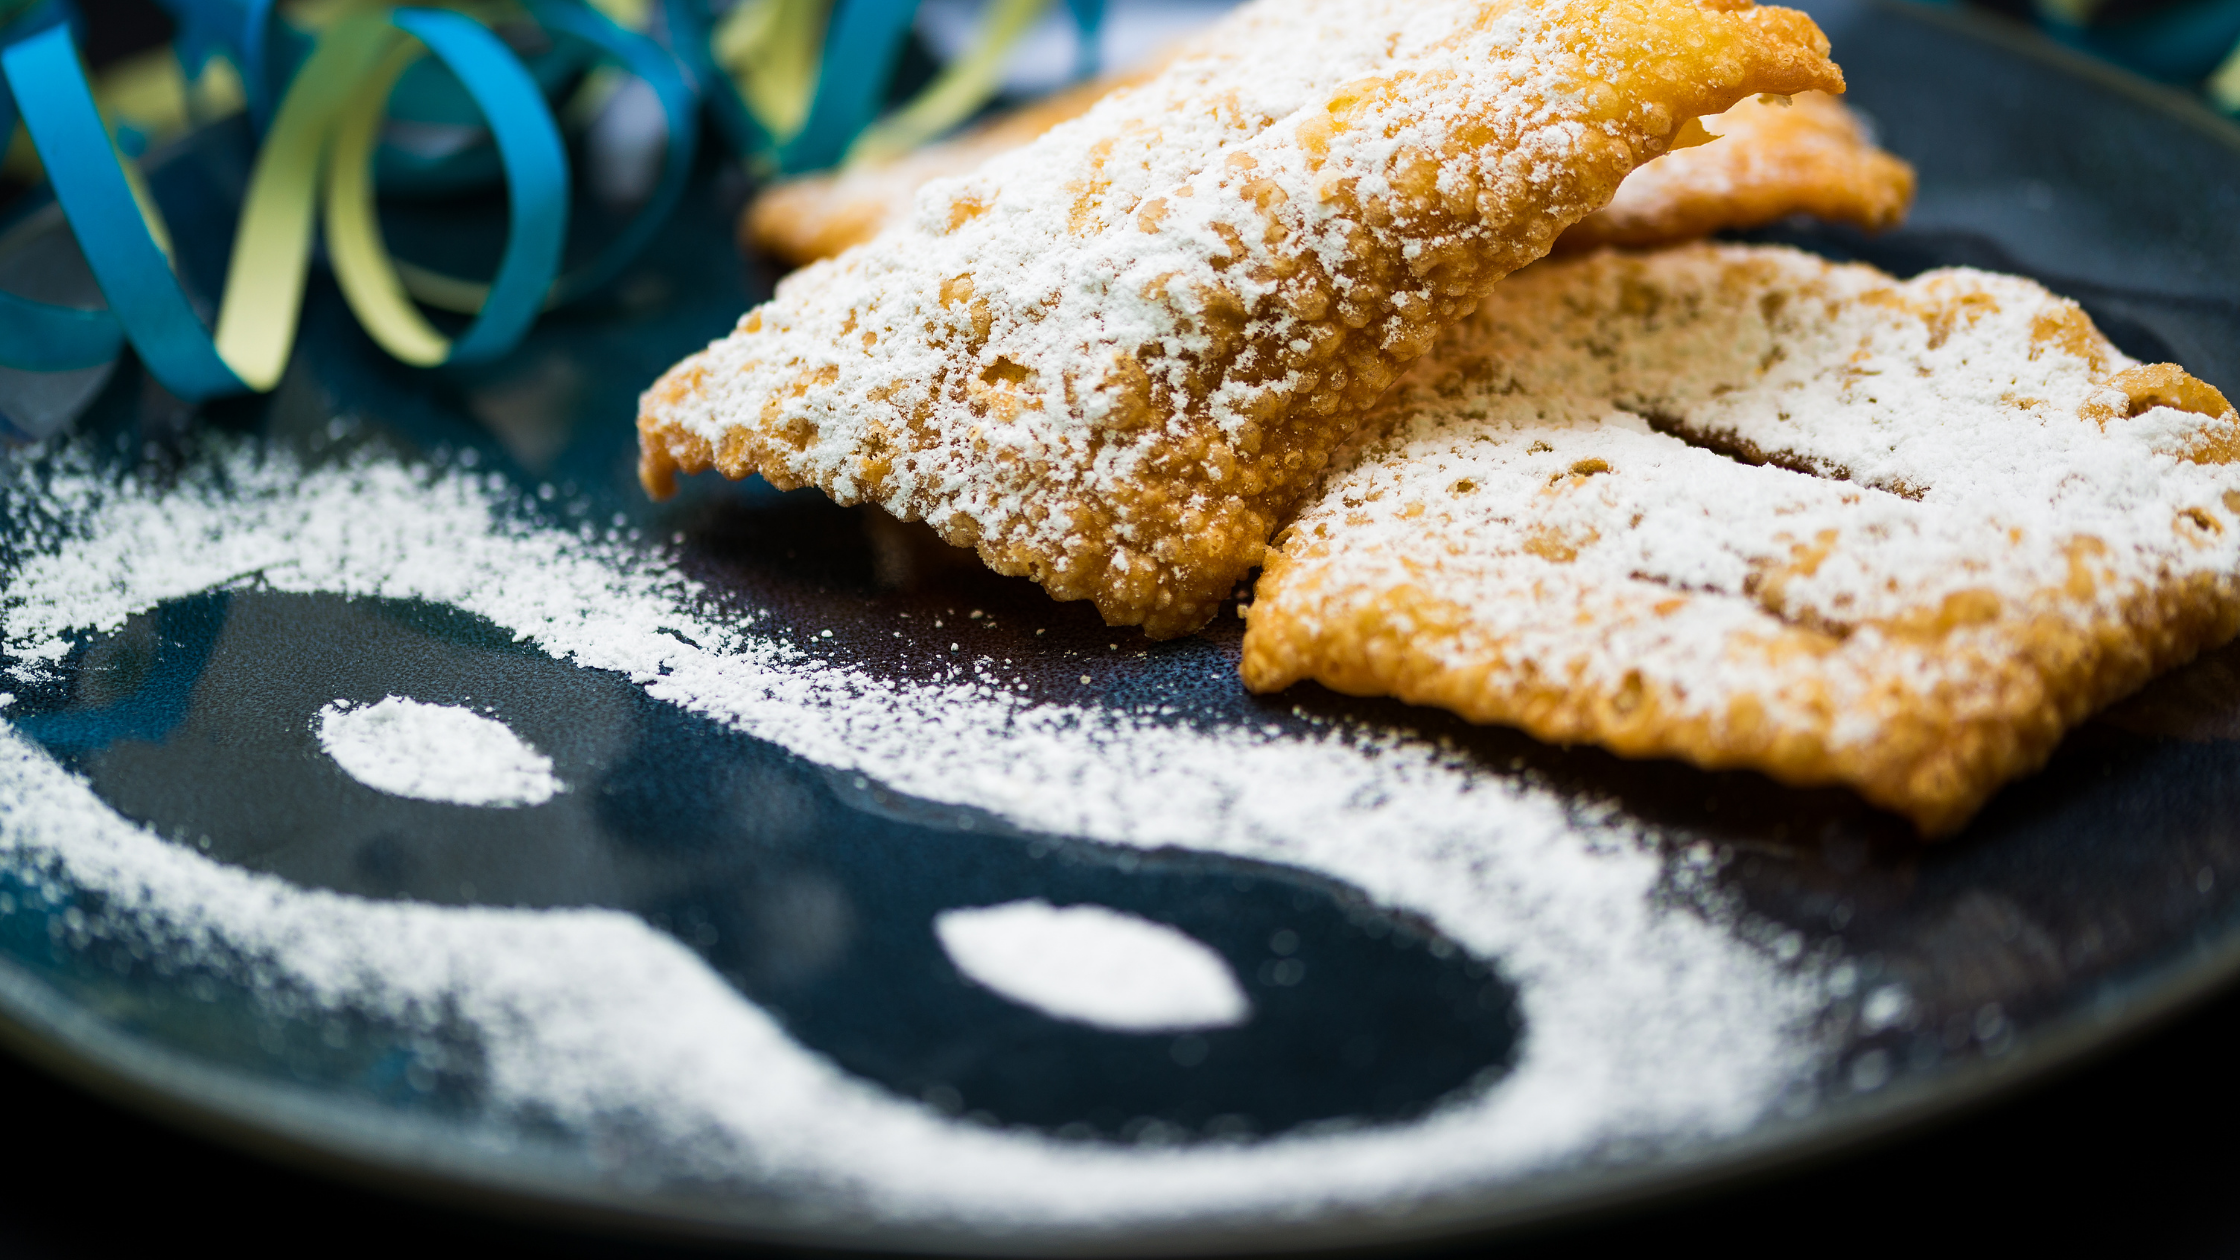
1088	19
679	107
31	22
2181	43
862	46
146	303
536	167
57	109
265	50
860	51
41	337
149	308
689	33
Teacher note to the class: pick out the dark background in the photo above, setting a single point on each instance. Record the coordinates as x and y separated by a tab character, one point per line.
2134	1154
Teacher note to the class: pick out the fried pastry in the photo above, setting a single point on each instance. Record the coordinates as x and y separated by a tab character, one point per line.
1113	359
1776	157
1747	508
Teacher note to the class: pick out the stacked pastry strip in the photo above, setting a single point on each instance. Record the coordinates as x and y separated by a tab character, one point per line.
1772	160
1113	359
1745	507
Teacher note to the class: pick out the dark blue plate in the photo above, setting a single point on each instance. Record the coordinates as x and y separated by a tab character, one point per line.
2085	903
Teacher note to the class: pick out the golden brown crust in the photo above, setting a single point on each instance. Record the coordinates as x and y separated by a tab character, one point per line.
1771	160
1547	527
1940	754
1120	390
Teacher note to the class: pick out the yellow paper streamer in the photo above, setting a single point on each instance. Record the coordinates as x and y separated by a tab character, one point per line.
272	246
770	49
361	261
958	90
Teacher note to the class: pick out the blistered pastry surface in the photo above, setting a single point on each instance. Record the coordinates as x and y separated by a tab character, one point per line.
1773	157
1749	508
1771	160
1114	359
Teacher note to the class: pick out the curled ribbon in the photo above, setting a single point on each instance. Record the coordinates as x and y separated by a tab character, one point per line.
319	148
319	104
863	42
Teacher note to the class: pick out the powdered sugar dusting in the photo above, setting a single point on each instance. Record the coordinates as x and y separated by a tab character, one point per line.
1114	357
1942	512
1094	965
435	752
1953	449
1648	1023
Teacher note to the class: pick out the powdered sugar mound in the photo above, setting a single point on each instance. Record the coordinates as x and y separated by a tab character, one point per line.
1094	966
1645	1024
435	752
